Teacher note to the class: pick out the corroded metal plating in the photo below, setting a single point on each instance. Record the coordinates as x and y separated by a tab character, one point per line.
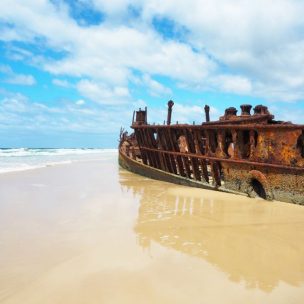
253	154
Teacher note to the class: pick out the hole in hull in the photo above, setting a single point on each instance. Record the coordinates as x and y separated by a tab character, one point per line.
258	189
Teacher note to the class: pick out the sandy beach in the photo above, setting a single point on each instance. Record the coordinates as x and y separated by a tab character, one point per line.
90	232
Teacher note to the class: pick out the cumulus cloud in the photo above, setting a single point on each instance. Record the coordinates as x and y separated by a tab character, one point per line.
257	40
243	47
154	87
102	94
232	84
261	42
14	78
62	83
114	7
105	53
80	102
17	112
21	79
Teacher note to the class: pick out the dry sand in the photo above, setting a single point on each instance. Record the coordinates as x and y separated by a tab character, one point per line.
93	233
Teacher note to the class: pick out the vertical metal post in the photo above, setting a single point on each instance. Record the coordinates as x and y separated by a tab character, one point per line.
133	117
207	113
170	105
170	148
191	146
174	136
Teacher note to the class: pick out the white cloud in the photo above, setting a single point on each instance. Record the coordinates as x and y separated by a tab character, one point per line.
18	113
259	44
80	102
287	112
62	83
102	94
21	79
16	103
104	53
114	7
13	78
233	84
110	55
155	88
257	40
5	69
18	54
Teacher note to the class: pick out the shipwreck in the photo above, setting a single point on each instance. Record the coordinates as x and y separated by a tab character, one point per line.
250	153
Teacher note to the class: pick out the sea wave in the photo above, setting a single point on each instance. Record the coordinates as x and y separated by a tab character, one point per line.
25	167
7	152
22	159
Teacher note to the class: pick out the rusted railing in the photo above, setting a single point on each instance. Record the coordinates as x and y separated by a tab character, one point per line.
199	151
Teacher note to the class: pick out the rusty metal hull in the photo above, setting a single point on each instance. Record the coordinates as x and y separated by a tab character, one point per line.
237	180
150	172
278	184
249	154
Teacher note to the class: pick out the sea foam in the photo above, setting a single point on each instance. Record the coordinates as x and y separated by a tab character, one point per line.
26	158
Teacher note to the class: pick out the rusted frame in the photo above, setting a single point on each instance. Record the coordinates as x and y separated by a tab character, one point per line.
151	142
170	158
150	155
235	143
221	141
252	144
163	156
184	158
194	162
163	145
227	126
170	148
208	149
167	157
202	162
235	161
215	172
146	145
179	161
202	146
141	145
186	165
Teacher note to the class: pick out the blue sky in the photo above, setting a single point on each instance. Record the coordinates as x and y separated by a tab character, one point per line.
72	72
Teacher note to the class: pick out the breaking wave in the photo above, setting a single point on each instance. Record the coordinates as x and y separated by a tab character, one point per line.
26	158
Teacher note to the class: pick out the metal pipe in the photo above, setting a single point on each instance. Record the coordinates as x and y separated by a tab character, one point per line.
133	117
207	111
246	109
170	105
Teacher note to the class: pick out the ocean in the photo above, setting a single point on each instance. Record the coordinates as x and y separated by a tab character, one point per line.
26	158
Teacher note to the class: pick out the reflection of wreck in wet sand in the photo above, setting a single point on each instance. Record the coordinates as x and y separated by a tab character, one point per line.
251	242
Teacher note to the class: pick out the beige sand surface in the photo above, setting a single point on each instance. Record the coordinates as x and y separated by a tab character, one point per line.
92	233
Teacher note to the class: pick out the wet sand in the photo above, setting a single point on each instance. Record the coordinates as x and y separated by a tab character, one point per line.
90	232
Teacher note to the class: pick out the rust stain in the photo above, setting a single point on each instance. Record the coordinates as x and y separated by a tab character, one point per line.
248	153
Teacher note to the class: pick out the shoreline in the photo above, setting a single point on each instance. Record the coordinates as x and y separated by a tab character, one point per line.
95	156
